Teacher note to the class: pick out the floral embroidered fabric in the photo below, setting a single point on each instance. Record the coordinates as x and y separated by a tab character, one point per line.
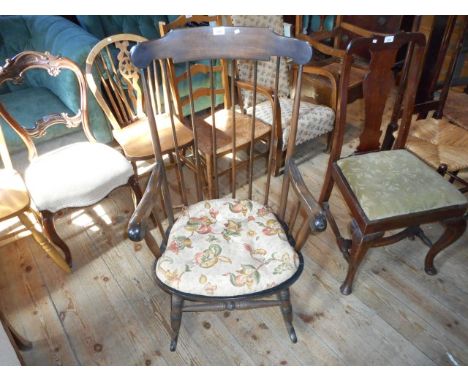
226	247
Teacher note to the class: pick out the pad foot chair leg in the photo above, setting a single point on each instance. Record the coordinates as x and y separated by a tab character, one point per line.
177	303
359	249
286	310
49	228
454	228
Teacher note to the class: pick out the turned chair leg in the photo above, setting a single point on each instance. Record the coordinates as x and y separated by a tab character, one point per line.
47	218
454	228
359	247
177	303
286	310
44	243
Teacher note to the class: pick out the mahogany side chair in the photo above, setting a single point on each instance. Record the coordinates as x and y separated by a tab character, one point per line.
116	85
392	189
15	202
74	175
234	252
314	119
223	123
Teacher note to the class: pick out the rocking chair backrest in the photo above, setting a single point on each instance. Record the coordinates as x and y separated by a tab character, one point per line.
230	44
14	70
116	82
377	86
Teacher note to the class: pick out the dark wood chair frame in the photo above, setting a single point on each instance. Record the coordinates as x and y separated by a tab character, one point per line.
231	43
377	85
14	70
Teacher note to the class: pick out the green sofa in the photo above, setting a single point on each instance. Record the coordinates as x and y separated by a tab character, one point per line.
40	94
148	27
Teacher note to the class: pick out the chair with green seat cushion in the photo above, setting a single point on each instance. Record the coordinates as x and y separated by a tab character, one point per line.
394	183
40	94
387	190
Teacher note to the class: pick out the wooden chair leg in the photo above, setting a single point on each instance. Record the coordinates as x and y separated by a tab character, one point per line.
360	246
47	218
454	228
286	310
44	243
177	303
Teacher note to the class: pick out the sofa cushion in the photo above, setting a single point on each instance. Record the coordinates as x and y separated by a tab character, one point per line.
226	247
396	182
76	175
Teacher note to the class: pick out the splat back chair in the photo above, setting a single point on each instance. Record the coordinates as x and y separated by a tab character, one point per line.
75	175
314	119
233	252
116	85
387	190
222	120
15	201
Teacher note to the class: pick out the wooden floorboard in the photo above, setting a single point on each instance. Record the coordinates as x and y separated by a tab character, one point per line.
109	311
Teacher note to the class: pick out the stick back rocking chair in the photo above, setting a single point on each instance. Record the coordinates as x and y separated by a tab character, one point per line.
234	252
387	190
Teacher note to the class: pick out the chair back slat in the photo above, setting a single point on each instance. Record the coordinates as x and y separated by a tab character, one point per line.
214	141
252	129
233	134
273	138
198	171
377	85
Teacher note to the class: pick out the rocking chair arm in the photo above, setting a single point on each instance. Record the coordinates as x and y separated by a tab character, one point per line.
138	223
318	221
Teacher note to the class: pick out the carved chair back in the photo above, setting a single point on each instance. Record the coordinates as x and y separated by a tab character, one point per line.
377	87
15	69
116	83
229	44
179	75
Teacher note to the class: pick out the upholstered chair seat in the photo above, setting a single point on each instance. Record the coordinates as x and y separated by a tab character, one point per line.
227	247
393	183
314	120
76	175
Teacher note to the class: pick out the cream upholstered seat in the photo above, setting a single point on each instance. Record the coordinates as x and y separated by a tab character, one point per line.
76	175
396	182
314	120
226	247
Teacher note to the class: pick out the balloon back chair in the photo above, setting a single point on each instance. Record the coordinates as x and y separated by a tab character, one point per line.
233	252
390	189
74	175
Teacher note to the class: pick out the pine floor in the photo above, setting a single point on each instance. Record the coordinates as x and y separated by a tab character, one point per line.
109	311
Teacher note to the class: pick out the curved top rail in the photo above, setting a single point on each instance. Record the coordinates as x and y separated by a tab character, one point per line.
249	43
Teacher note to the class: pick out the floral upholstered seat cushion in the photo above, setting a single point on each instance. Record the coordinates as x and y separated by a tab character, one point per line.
226	247
314	120
396	182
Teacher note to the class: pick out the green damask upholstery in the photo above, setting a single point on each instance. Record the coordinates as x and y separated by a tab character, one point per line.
40	93
396	182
